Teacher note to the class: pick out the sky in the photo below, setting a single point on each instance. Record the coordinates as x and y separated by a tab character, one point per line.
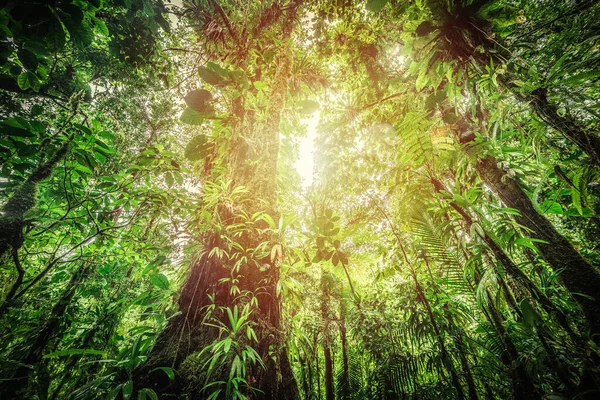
305	163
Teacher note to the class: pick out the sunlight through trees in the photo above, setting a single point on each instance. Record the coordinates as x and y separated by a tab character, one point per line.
299	199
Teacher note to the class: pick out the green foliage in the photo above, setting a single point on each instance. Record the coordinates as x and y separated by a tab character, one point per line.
157	240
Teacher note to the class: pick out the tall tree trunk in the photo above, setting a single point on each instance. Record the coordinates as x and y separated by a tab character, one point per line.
522	386
447	361
567	125
464	363
23	199
303	370
318	368
345	372
578	275
254	166
510	267
329	391
311	386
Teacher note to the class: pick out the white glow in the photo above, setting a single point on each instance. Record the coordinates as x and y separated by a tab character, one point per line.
305	163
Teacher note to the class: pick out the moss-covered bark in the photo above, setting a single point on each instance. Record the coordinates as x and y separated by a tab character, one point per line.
468	37
252	164
577	274
23	199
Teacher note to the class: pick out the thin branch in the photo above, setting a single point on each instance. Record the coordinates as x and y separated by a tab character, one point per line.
225	20
183	50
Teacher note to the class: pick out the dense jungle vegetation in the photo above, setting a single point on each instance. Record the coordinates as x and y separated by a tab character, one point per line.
299	199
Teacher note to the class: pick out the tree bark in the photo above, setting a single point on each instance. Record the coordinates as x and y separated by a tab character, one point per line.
510	267
346	370
329	394
23	199
522	386
588	142
329	391
578	275
254	166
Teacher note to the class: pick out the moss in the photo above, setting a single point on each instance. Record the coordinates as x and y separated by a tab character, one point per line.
23	200
11	221
193	372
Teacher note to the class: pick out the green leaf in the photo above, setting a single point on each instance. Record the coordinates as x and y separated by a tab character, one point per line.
169	180
198	148
81	34
100	26
192	117
376	5
209	76
530	316
28	59
199	100
178	177
308	106
169	371
582	77
529	243
551	207
107	135
160	280
422	80
71	352
576	194
147	392
260	85
83	168
214	74
114	393
36	110
27	80
127	389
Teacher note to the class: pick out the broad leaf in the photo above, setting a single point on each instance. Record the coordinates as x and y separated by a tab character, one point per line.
198	148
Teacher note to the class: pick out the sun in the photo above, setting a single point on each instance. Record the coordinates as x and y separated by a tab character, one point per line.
305	163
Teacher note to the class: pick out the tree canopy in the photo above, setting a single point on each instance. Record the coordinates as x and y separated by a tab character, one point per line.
300	199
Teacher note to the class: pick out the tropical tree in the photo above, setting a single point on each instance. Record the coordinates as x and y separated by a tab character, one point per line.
286	199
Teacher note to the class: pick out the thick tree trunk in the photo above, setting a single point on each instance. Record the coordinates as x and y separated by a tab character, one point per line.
23	199
578	275
588	142
253	165
511	268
